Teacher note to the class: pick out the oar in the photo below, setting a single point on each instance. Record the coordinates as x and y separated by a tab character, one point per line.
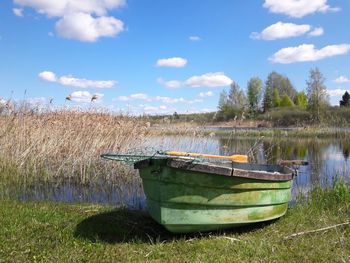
235	158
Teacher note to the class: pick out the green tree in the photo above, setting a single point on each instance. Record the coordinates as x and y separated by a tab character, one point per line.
267	99
345	102
316	92
176	116
254	93
223	100
282	83
301	100
236	96
286	101
276	100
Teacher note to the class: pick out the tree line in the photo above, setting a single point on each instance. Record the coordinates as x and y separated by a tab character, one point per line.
275	93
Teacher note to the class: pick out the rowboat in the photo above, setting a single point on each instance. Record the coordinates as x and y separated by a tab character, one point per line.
186	195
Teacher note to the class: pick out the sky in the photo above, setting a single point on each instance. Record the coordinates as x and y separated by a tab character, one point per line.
158	57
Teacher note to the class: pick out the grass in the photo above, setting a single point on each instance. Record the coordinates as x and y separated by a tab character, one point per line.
52	232
310	132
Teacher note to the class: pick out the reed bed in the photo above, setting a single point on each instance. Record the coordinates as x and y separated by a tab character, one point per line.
306	132
65	143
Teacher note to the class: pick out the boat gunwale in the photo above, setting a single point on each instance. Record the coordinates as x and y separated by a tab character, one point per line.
209	168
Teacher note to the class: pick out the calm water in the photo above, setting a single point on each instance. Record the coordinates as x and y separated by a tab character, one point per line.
328	160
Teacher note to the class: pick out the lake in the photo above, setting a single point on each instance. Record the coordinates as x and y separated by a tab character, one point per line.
328	160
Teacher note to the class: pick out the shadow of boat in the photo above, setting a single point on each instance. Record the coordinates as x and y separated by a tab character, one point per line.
123	226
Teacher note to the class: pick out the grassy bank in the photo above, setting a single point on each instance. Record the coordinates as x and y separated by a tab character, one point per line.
241	132
51	232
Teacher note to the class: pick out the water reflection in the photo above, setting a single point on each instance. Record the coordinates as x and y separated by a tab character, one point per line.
329	159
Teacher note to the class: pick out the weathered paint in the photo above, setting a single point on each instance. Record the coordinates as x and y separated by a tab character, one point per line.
187	201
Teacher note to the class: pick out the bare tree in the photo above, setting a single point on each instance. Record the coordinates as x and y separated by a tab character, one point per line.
316	92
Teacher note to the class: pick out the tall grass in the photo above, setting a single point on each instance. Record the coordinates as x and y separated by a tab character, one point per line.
64	142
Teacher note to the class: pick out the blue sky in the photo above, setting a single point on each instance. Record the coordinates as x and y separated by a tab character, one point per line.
164	56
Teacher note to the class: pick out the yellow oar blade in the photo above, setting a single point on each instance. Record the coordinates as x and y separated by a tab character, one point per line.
235	158
239	158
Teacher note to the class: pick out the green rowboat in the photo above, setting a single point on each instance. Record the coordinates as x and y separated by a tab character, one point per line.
185	195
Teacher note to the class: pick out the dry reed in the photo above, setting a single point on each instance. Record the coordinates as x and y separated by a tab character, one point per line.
65	142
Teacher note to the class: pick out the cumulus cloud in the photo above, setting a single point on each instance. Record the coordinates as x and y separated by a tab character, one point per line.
298	8
63	7
84	96
162	109
150	109
85	83
140	96
341	79
195	38
206	94
170	84
282	30
317	31
76	82
336	92
48	76
307	52
162	99
212	79
85	27
78	19
18	11
175	62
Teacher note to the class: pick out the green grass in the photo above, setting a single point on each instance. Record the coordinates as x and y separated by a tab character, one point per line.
52	232
313	132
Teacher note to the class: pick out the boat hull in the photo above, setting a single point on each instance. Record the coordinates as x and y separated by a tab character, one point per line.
197	198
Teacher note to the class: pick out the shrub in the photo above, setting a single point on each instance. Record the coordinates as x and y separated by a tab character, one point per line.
288	116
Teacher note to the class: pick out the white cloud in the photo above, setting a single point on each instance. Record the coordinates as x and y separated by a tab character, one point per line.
215	79
148	108
162	99
76	82
18	11
176	62
84	96
153	110
298	8
84	27
336	92
79	19
48	76
341	79
170	84
317	31
281	30
123	98
307	52
211	79
140	96
63	7
206	94
168	100
195	38
85	83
